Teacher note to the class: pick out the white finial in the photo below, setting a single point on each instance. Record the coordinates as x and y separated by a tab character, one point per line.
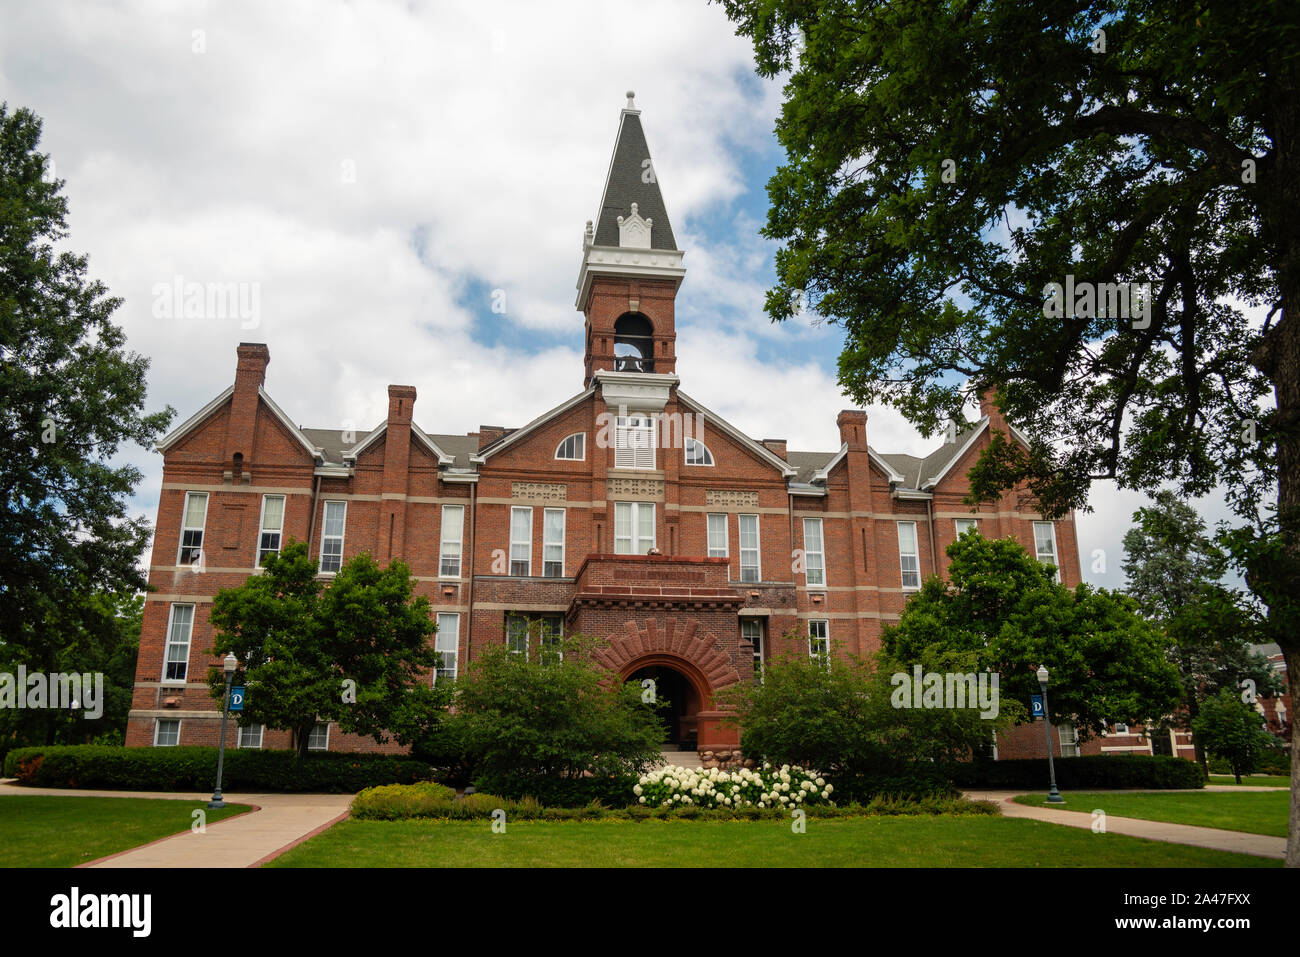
630	104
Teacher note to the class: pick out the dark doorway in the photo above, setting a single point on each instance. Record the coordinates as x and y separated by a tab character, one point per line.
671	686
1160	743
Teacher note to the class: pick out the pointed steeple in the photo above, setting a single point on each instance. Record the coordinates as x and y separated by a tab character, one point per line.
631	266
631	237
632	186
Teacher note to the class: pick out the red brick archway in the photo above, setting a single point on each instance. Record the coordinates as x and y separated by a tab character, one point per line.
675	643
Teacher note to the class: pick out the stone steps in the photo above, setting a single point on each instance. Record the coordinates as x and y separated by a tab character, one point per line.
682	759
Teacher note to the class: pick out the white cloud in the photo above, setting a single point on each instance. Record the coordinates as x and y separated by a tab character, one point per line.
373	167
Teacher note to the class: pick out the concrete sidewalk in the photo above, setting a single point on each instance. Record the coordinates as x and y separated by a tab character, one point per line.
1238	842
246	840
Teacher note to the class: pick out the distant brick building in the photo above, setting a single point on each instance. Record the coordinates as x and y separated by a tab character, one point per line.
629	512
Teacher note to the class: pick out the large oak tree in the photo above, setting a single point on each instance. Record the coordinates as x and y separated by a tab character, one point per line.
948	160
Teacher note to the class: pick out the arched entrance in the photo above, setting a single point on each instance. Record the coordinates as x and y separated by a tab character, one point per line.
682	712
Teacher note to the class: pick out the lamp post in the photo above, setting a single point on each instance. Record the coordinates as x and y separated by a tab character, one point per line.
1055	796
228	664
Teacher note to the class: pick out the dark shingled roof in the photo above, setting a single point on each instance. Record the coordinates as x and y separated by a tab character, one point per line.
913	469
459	447
626	186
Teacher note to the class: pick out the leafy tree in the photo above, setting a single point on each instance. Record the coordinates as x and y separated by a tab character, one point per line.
550	723
947	162
70	397
98	634
1233	731
841	716
1174	571
356	651
1006	609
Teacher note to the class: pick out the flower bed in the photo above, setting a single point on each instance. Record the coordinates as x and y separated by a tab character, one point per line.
786	786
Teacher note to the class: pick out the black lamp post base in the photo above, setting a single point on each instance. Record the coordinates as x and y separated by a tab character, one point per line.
216	802
1055	798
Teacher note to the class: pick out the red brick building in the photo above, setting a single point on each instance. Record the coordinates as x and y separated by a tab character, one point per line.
630	511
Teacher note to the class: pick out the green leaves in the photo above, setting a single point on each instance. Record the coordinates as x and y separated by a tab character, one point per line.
1003	607
1232	730
357	652
70	397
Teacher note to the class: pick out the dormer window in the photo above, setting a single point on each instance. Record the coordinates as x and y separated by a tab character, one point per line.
633	343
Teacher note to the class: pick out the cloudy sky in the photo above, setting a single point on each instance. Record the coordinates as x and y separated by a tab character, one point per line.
379	174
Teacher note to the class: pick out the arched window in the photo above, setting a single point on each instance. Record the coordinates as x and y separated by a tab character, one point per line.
697	453
573	448
634	343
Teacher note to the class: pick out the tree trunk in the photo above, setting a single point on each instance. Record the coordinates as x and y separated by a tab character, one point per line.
1293	688
1279	359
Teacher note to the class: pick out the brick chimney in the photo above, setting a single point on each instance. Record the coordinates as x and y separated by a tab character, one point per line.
487	434
775	446
250	375
397	461
853	429
989	407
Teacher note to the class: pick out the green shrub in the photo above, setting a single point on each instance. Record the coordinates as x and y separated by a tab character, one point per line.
193	768
1081	773
431	801
549	724
394	802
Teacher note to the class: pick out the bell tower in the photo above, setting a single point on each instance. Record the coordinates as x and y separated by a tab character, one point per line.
631	266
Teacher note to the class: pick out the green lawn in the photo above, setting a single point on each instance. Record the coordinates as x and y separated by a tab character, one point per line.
856	842
1265	781
49	831
1256	812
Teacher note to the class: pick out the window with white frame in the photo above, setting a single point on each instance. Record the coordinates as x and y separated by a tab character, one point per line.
553	543
1069	739
717	530
814	552
450	538
573	448
634	442
1121	727
167	732
819	638
697	453
176	662
251	737
634	527
909	559
331	538
447	643
272	527
1045	546
964	525
751	629
521	540
192	521
750	564
520	629
319	738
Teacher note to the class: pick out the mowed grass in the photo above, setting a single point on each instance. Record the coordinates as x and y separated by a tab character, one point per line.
1264	781
1255	812
50	831
858	842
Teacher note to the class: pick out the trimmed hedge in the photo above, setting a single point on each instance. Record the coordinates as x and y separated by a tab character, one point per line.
1086	772
610	791
428	801
193	768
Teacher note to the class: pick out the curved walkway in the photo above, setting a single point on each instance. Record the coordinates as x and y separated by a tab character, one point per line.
276	823
1260	845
